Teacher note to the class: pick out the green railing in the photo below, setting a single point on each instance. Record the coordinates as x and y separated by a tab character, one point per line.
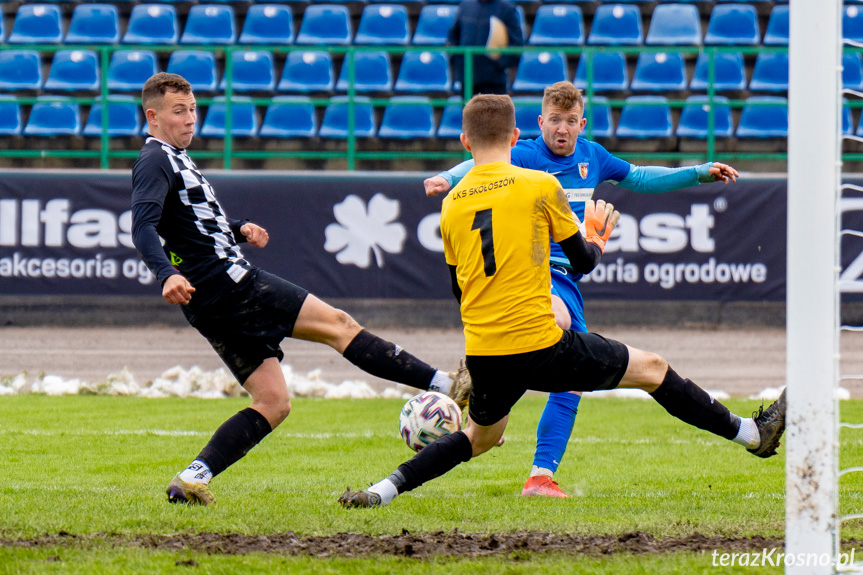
352	154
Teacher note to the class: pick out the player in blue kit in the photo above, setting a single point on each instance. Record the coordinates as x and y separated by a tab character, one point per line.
580	165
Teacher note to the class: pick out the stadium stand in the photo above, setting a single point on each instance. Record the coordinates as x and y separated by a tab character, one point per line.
433	24
325	24
770	73
424	72
307	72
852	71
210	24
74	70
598	114
289	117
253	71
57	118
674	25
659	72
372	73
852	23
124	118
94	24
609	72
645	117
268	24
695	118
335	122
383	24
129	69
616	24
244	120
407	117
527	109
450	120
767	120
20	70
10	116
152	24
733	24
557	25
536	70
730	74
196	66
776	33
37	24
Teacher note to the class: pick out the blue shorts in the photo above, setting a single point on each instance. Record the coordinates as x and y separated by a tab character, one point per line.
564	285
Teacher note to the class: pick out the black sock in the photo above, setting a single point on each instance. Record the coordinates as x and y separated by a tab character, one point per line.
691	404
234	439
388	361
433	461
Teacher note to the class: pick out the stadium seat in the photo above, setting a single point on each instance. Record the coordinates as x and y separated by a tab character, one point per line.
536	70
335	123
253	72
383	24
609	72
695	117
659	72
770	73
433	25
728	68
210	24
852	23
852	71
244	120
289	117
94	24
372	73
20	70
325	24
424	72
768	120
645	117
450	119
268	24
73	70
776	33
598	114
307	72
847	127
527	110
557	25
59	118
124	118
152	24
129	69
37	24
674	25
10	117
197	67
733	24
616	24
407	117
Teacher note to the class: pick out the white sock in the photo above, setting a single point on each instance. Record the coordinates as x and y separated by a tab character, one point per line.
541	471
748	435
386	489
197	472
441	382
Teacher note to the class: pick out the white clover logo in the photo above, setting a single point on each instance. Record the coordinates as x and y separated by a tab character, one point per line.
362	231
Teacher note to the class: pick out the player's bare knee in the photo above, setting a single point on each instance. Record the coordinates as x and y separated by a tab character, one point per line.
344	322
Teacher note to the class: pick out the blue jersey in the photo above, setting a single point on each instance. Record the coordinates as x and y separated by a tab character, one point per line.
579	173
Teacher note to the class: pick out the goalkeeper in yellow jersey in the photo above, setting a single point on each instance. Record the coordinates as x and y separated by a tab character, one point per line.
496	227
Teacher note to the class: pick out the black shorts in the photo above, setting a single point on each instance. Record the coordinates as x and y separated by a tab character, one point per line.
246	324
578	362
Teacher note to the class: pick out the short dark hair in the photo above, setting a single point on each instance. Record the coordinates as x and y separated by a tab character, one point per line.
563	95
488	119
159	84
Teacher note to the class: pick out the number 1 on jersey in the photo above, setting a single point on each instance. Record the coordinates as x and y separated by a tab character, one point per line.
482	222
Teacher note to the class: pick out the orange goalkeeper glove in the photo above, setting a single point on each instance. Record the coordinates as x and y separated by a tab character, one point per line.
599	221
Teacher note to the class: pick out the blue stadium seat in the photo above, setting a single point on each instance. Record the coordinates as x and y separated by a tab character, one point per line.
383	24
777	27
372	73
433	25
253	72
308	72
268	24
37	24
847	127
210	24
10	117
152	24
129	69
674	25
124	118
616	24
852	71
645	117
197	67
695	117
325	24
770	73
527	110
536	70
94	24
73	70
733	24
335	123
729	70
450	119
598	114
852	23
244	120
407	117
659	72
609	72
557	25
768	120
424	72
61	118
20	70
289	117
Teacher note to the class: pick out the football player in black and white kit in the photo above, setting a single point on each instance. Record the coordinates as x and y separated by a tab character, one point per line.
243	311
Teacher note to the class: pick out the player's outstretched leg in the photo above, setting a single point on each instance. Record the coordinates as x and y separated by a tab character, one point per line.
552	435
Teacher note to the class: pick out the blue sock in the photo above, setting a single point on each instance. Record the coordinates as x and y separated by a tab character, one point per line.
555	427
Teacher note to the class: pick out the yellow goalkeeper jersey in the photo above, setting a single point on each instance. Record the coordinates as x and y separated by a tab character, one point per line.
496	225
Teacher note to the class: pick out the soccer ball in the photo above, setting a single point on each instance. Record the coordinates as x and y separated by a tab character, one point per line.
426	417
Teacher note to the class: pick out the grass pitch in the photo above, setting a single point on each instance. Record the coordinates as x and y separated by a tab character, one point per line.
82	488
